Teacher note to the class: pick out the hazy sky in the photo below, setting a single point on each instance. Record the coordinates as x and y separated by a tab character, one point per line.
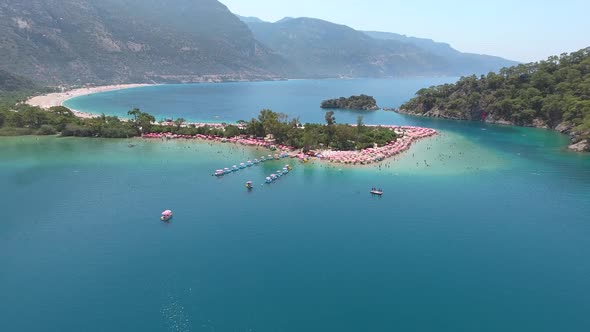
522	30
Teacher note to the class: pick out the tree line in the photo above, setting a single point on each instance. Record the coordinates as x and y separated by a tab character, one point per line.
312	136
28	120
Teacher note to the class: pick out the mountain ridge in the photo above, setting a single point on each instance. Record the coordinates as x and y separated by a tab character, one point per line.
422	56
82	41
78	42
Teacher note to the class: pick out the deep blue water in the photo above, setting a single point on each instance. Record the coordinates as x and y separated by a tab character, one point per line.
494	236
230	102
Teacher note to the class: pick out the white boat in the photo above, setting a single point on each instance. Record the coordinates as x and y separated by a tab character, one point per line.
166	215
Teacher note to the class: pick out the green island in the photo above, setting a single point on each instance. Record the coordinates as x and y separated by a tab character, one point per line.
552	94
361	103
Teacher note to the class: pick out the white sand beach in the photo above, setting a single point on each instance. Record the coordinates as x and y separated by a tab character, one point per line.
58	98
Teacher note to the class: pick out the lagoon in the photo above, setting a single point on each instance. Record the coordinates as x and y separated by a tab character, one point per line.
492	236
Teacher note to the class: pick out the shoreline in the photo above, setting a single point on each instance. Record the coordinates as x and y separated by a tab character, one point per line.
577	144
367	156
59	98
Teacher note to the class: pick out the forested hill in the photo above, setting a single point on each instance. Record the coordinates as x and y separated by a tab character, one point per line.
14	88
112	41
13	83
554	93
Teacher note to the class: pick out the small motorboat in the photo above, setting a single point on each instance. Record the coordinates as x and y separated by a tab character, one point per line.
166	215
377	192
268	179
249	185
219	172
249	163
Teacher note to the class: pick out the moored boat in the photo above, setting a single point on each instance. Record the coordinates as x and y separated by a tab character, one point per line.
249	185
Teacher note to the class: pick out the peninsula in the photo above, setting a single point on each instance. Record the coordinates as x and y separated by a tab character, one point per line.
342	143
552	94
360	103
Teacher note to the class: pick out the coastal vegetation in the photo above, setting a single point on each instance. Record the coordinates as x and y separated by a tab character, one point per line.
290	132
29	120
554	93
362	102
311	136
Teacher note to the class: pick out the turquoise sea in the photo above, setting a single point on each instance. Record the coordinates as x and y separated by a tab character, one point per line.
492	235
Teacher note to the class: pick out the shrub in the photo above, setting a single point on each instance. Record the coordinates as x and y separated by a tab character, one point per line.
10	131
77	130
47	130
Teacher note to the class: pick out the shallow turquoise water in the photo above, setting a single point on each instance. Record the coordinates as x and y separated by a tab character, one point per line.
492	236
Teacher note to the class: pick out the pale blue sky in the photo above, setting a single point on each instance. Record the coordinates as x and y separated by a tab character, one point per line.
522	30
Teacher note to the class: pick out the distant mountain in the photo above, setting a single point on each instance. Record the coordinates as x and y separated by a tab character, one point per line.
322	49
107	41
249	19
114	41
465	63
